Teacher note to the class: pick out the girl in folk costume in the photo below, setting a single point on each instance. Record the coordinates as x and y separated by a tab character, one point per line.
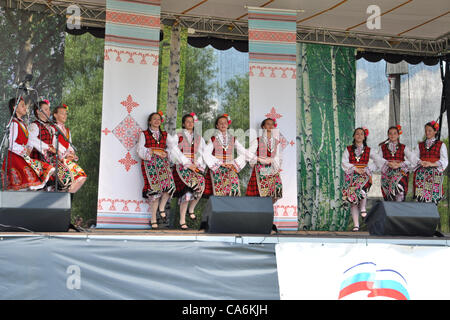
42	133
396	160
22	172
189	168
429	171
71	175
358	162
153	148
222	175
265	180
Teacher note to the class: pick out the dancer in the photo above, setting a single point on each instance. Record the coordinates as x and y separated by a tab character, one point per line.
70	174
396	162
265	180
23	173
222	177
358	163
429	171
189	168
153	148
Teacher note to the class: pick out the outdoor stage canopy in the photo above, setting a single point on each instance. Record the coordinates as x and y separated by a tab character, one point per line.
409	28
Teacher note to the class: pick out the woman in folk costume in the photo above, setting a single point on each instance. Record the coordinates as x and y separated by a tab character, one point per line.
265	180
358	162
189	168
23	173
42	133
153	148
429	170
70	174
222	174
395	165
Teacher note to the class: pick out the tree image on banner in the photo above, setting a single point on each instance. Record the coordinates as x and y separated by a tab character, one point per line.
326	108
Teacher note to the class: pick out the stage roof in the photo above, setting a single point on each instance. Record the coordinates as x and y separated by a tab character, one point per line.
419	27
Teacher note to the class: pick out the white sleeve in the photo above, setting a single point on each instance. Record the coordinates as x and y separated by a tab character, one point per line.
252	152
443	161
142	151
277	160
199	161
211	161
70	148
176	155
410	159
240	161
13	146
345	163
34	141
374	161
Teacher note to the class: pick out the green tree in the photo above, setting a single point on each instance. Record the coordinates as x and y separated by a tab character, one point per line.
83	91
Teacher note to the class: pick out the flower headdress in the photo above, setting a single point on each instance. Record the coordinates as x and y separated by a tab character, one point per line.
228	117
46	102
194	116
162	116
435	125
399	128
66	107
275	124
366	131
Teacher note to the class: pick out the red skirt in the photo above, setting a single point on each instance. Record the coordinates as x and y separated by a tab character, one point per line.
252	187
22	176
180	187
208	184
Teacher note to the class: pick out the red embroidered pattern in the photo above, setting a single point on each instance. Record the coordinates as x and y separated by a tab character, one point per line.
128	161
131	55
272	71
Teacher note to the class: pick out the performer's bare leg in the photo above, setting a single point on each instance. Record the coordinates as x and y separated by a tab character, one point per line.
183	209
77	184
362	207
192	205
162	204
153	210
354	210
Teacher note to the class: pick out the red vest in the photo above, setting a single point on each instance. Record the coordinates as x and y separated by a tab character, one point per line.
151	142
263	149
22	135
363	161
61	139
399	154
188	149
432	155
220	153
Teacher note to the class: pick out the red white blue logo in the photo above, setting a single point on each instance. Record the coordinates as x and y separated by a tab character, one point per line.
366	280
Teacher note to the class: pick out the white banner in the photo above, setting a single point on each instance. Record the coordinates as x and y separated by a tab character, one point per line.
129	96
362	271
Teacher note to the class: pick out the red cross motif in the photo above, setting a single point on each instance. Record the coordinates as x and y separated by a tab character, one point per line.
106	131
273	114
128	161
129	104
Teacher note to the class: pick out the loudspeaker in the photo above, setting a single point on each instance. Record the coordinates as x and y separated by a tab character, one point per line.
238	215
34	211
403	219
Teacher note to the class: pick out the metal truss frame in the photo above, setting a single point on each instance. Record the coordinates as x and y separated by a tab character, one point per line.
93	15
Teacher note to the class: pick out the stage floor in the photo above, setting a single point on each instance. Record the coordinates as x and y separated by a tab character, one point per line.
201	235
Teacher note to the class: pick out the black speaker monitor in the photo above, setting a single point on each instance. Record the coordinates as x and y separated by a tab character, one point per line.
34	211
403	219
238	215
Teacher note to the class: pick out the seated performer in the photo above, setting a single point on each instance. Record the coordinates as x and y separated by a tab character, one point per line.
70	175
222	174
23	173
358	163
189	168
153	148
429	170
396	162
42	133
265	180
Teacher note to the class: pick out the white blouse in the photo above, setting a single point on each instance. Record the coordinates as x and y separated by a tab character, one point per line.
144	152
214	163
34	141
442	162
276	158
14	147
407	165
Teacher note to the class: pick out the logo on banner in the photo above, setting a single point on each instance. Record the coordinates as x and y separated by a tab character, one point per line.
365	280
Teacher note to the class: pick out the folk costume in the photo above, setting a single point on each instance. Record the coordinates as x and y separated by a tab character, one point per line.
356	186
41	139
428	181
222	181
23	172
190	185
157	171
394	182
265	180
70	174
